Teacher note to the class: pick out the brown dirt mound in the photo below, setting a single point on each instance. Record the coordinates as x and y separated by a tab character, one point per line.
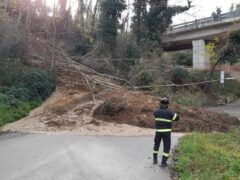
136	108
71	109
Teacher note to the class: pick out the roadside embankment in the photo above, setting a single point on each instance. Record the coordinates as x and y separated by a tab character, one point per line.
209	156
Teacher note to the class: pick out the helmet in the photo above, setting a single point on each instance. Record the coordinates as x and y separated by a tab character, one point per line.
164	101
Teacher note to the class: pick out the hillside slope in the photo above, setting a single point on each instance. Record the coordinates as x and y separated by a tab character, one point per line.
115	112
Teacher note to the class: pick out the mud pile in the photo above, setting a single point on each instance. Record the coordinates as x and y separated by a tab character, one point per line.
115	112
136	108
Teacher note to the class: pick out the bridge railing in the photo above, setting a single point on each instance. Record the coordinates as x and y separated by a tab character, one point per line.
199	23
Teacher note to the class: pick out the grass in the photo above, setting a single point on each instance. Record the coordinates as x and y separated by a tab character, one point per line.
11	114
214	156
187	98
231	90
199	95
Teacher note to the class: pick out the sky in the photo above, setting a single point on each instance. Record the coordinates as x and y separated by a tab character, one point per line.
201	9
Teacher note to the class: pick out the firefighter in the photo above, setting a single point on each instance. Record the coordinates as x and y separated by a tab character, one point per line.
163	121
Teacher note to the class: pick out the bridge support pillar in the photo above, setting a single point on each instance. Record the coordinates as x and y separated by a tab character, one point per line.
201	59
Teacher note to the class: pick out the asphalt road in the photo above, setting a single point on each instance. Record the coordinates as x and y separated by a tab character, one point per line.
65	157
232	109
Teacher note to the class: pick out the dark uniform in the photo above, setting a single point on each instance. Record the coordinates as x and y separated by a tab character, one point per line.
163	119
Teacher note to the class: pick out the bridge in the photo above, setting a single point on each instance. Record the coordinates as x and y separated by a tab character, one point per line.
196	34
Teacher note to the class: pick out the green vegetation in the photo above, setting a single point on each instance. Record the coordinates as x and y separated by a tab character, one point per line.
195	95
230	91
10	114
149	25
188	98
100	34
22	89
217	14
108	23
183	58
227	51
214	156
139	26
212	50
230	51
235	7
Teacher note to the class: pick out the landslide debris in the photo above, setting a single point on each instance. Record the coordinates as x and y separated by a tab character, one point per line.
136	108
115	112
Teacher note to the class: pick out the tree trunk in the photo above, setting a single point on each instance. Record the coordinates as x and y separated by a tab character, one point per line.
25	59
81	12
213	68
63	6
54	41
94	18
5	9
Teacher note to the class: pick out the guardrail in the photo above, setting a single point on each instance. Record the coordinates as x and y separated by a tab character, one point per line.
199	23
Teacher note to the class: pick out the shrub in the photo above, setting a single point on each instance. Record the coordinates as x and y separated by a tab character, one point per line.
26	90
183	58
9	71
145	79
180	76
231	89
162	91
18	92
34	84
187	98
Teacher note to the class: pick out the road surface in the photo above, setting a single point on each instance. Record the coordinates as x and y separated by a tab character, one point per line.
67	157
231	109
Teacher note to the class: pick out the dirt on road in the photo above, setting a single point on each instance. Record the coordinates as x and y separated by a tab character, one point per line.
71	109
136	108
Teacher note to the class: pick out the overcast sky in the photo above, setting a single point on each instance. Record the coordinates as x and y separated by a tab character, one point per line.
201	9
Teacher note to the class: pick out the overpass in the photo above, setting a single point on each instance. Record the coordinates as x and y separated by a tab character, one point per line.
196	34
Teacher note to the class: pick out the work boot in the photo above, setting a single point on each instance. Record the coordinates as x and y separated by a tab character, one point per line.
164	162
163	165
155	159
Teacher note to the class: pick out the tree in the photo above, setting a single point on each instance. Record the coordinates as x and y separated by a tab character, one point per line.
148	26
110	13
159	19
80	14
231	8
15	28
212	50
139	21
230	52
93	20
63	6
216	15
237	7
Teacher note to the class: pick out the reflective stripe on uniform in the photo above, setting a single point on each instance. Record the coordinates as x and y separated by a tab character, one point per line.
155	152
163	130
163	120
166	154
174	117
